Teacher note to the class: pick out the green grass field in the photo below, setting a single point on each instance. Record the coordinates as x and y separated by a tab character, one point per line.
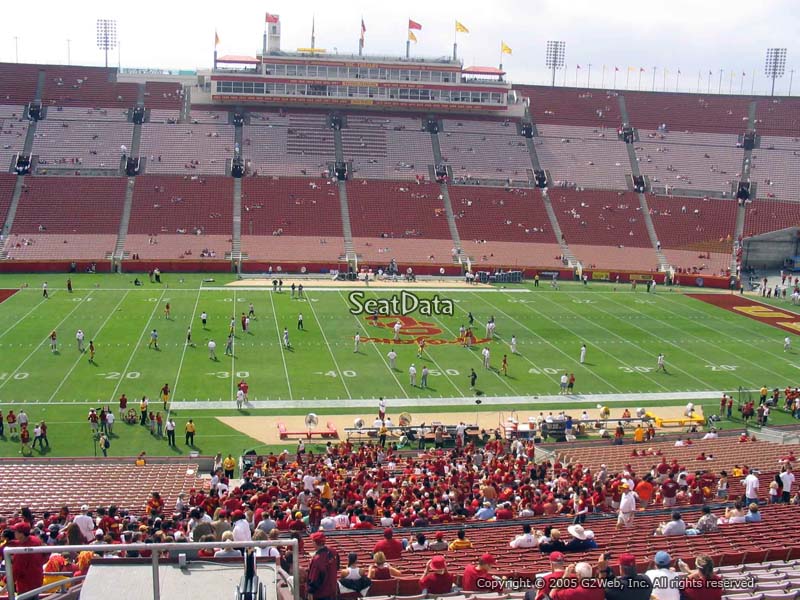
706	348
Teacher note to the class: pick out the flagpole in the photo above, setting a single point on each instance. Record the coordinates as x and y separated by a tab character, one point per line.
627	77
791	76
677	80
215	49
408	39
577	68
730	84
361	37
753	82
564	83
741	85
709	82
699	78
639	86
603	78
455	42
654	79
589	76
614	86
664	85
720	82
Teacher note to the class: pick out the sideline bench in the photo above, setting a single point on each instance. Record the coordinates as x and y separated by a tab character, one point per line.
330	432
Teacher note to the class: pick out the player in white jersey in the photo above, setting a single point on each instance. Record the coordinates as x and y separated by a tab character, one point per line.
513	344
412	375
79	339
356	342
239	399
583	353
392	359
397	327
787	344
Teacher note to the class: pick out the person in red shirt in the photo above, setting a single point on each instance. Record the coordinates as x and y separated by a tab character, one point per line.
11	419
436	579
27	568
392	549
322	580
504	513
478	578
583	590
557	572
669	490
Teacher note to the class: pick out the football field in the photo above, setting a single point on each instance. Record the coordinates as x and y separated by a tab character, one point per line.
707	350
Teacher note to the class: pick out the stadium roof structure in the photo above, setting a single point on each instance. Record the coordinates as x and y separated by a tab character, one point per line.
238	59
483	71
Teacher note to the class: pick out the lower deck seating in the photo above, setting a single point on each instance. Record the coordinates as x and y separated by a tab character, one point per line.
172	246
125	485
301	249
39	246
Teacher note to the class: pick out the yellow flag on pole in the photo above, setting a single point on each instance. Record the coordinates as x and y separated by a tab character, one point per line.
216	39
461	28
411	36
504	48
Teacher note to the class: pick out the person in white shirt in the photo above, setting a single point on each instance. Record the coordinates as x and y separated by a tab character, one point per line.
526	539
787	479
397	327
787	343
356	342
485	353
241	528
212	350
412	375
79	339
381	408
85	524
663	578
750	484
308	482
564	380
711	435
583	353
239	399
392	359
627	506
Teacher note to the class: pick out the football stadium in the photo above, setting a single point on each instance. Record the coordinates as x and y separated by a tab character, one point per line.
320	324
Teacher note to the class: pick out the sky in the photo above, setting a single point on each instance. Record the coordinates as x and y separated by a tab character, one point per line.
693	36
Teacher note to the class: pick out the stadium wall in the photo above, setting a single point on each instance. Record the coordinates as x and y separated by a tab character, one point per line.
769	250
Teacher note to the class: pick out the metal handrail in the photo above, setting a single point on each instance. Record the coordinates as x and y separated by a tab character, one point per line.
154	549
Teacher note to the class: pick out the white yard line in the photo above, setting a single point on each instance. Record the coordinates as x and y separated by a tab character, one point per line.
136	347
280	343
378	352
233	351
330	350
47	337
81	354
183	352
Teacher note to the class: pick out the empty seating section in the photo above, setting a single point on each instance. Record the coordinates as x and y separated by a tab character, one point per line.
600	218
692	138
583	157
12	140
187	148
377	253
7	183
11	111
387	147
296	145
615	257
165	246
764	216
497	214
44	246
86	86
209	116
126	486
572	106
164	115
301	249
776	142
778	116
18	82
694	223
478	156
512	254
85	205
290	206
688	112
82	113
483	126
80	144
182	205
689	167
775	173
166	95
397	210
696	234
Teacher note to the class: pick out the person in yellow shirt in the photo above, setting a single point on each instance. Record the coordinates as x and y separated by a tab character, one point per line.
737	471
638	435
229	466
461	542
190	431
327	493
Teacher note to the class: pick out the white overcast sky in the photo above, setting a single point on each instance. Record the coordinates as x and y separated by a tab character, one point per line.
691	35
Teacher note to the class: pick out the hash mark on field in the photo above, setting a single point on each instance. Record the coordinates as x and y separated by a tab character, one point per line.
47	337
81	354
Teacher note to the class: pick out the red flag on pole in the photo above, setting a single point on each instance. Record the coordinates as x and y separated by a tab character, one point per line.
363	29
414	25
272	18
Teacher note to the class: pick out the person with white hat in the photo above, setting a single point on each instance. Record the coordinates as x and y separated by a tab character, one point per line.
582	539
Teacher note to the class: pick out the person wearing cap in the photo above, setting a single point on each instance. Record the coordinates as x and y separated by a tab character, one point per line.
629	585
583	589
435	578
582	539
526	539
322	581
241	528
486	512
544	587
627	506
438	544
663	578
85	524
392	548
478	578
27	568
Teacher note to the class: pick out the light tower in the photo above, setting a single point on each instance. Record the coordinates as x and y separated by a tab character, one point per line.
775	65
106	35
554	58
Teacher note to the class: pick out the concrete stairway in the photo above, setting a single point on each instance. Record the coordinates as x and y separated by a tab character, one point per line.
448	206
122	233
347	230
741	212
565	251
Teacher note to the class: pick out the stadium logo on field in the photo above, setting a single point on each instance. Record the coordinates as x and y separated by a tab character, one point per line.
786	320
412	331
403	304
